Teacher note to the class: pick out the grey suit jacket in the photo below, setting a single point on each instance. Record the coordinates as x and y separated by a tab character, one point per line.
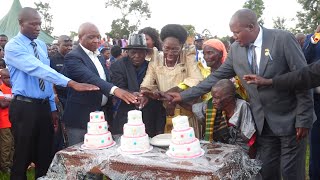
283	110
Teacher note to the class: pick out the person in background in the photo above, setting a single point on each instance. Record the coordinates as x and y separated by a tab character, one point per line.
6	137
53	49
33	112
116	53
105	54
198	42
1	53
3	40
153	42
300	37
282	118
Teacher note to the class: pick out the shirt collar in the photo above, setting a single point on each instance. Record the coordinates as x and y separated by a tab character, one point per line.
88	52
258	41
24	39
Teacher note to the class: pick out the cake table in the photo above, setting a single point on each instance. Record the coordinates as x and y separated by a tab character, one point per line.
220	161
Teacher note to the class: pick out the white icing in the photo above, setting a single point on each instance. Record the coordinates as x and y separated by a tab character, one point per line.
135	117
98	141
97	127
185	150
182	136
180	123
134	130
136	144
97	116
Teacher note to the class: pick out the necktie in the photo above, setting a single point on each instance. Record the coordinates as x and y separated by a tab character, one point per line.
253	58
41	82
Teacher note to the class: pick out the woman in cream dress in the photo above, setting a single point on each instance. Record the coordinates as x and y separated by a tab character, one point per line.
174	70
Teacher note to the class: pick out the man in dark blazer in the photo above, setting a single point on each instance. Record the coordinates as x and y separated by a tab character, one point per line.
83	65
128	73
282	118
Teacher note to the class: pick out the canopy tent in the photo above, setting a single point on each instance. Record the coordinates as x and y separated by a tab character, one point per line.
9	24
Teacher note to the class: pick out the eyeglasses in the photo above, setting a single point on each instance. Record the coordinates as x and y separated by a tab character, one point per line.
175	50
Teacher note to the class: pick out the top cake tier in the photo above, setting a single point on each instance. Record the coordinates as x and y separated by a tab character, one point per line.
135	117
180	123
97	116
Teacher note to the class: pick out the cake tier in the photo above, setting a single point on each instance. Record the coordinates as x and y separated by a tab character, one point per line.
188	150
95	128
130	130
135	144
98	141
180	123
182	136
97	116
135	117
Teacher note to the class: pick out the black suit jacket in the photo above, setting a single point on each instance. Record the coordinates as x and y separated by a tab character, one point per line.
79	67
306	78
123	75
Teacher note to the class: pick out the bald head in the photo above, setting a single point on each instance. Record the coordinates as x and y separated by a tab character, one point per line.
89	36
85	28
245	17
30	22
27	13
226	86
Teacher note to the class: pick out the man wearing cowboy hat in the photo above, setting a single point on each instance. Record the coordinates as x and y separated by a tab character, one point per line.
128	73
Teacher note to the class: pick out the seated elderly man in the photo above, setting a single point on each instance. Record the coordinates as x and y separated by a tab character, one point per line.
227	119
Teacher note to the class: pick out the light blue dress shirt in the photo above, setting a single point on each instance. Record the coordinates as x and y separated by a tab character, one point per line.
25	69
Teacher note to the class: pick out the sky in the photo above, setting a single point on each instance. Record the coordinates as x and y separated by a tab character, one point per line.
213	15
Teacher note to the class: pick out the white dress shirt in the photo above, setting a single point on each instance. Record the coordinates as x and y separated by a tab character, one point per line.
258	45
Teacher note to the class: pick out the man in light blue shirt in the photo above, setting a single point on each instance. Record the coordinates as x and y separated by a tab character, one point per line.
33	111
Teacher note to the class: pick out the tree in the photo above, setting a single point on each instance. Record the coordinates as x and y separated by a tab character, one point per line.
73	34
135	10
309	18
190	29
279	23
257	6
43	9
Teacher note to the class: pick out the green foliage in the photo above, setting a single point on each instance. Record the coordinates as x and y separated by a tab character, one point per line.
257	6
135	10
309	17
73	34
190	29
280	23
43	9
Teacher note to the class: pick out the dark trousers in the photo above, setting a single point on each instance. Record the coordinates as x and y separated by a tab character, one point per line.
314	166
282	156
33	133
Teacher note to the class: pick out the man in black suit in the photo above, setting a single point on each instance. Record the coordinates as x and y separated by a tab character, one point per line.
83	65
128	73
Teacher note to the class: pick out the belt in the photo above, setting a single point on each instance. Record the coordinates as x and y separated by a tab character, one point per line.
31	100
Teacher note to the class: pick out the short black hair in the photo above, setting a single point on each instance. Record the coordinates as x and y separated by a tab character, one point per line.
153	33
116	51
3	35
174	30
103	50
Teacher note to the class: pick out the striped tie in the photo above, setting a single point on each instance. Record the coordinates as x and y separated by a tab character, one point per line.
41	81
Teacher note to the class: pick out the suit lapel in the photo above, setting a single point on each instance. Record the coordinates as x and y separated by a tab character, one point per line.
132	75
267	41
87	61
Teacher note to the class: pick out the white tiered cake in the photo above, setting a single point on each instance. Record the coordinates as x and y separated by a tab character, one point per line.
183	144
98	136
134	139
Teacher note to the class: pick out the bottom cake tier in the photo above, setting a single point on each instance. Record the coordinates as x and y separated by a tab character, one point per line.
188	150
98	141
135	144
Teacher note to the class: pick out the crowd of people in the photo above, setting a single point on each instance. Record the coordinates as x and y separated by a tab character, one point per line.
253	91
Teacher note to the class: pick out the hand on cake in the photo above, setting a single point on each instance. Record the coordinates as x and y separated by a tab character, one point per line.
125	96
82	86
